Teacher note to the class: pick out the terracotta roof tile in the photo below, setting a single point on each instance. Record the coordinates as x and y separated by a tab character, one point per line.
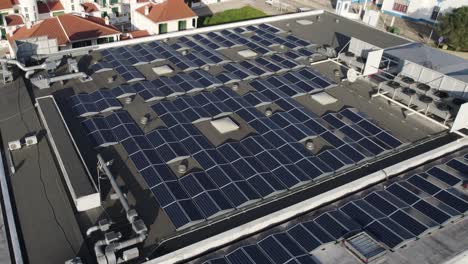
78	27
167	11
5	4
66	28
89	7
55	6
14	20
48	27
139	33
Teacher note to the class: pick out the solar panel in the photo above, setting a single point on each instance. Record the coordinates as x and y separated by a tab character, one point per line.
304	238
383	234
443	175
274	250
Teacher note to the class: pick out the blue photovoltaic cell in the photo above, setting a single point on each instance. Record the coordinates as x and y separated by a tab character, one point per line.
443	176
274	250
393	216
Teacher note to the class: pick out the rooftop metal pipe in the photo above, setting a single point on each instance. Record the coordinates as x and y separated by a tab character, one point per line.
108	256
29	70
114	184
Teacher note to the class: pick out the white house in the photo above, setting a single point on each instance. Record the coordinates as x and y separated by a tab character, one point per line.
163	17
419	10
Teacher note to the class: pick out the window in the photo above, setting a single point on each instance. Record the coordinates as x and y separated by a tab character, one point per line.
435	12
182	25
73	7
400	6
115	10
162	28
105	40
194	22
80	44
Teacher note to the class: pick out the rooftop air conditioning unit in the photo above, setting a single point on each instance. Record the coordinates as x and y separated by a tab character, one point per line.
14	145
31	140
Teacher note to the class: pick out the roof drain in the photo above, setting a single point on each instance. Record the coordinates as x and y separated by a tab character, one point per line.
107	248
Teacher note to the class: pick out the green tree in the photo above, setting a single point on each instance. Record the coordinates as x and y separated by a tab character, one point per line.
454	28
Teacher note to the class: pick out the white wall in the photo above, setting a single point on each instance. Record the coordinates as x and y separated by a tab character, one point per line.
422	9
28	8
140	22
71	6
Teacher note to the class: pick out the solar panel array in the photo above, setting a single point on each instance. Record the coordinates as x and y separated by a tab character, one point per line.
202	50
238	173
406	210
94	103
124	60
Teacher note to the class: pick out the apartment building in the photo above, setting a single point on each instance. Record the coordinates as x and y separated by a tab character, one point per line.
419	10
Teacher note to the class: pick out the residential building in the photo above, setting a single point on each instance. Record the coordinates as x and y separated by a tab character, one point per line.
419	10
69	31
163	17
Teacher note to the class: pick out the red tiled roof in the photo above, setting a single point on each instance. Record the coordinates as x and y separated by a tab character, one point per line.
66	28
55	6
48	27
14	20
89	7
139	33
135	34
167	11
6	4
78	27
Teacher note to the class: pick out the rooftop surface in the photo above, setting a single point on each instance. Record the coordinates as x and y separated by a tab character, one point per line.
265	164
413	230
435	59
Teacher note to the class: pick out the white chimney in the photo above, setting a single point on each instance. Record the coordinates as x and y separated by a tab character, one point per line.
106	20
147	9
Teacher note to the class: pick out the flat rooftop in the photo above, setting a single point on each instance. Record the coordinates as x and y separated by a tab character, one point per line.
186	178
409	216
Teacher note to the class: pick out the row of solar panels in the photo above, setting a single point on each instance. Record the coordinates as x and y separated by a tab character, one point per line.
406	210
100	101
292	83
199	54
255	168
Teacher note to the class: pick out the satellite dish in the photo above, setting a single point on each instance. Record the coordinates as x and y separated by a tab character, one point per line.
352	75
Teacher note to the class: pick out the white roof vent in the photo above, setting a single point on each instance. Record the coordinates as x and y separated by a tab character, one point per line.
14	145
323	98
247	53
163	70
225	125
31	140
